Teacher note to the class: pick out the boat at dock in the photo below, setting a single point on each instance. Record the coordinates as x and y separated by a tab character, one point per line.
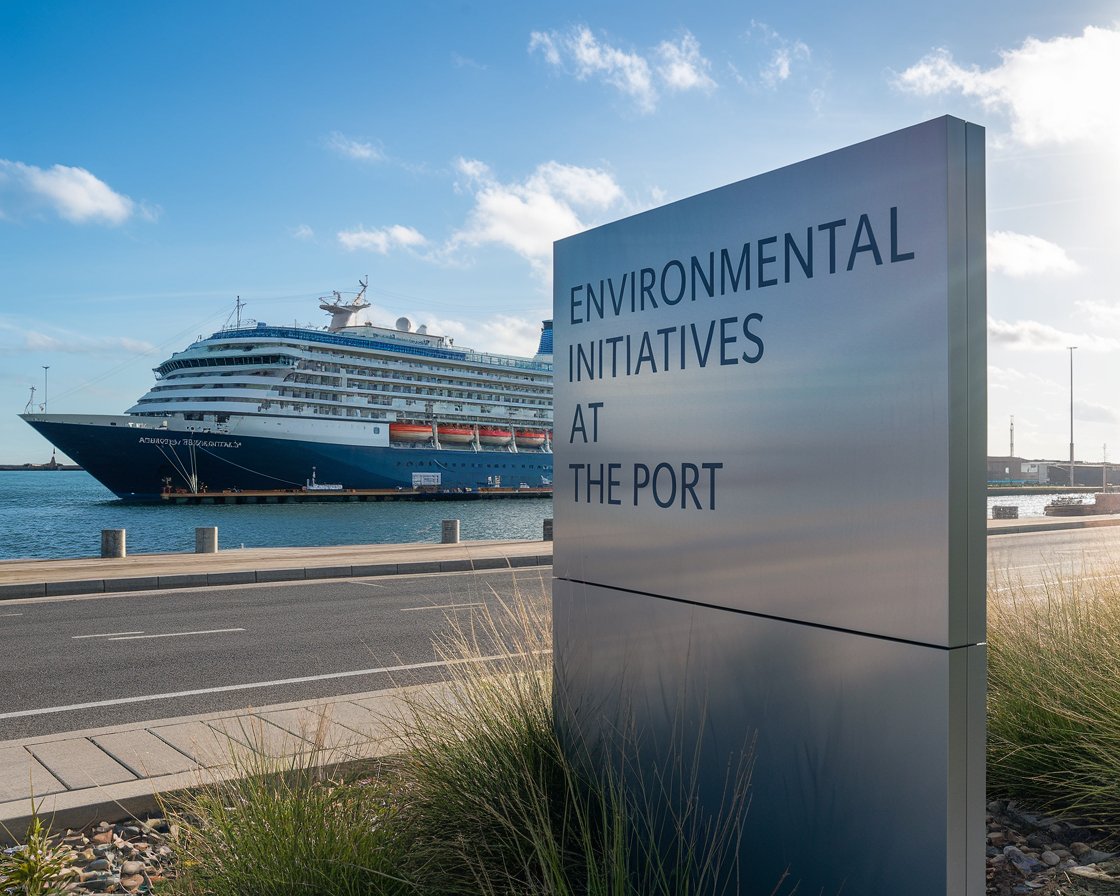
255	407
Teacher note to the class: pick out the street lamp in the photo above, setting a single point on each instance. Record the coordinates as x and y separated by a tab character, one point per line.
1071	348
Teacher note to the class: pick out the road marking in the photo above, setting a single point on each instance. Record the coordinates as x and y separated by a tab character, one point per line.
212	631
47	710
371	584
106	635
440	607
11	614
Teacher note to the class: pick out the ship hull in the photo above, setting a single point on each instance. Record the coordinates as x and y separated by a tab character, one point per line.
140	463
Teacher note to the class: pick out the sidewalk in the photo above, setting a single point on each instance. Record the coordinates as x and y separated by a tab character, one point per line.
240	566
104	774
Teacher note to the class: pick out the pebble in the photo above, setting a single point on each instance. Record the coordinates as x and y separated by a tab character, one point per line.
1028	853
118	858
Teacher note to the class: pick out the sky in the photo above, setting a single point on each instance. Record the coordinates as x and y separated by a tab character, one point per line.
158	161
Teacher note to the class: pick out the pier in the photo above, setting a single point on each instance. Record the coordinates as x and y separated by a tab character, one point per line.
321	495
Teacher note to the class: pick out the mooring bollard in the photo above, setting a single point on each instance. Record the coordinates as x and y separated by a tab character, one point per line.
547	535
450	531
206	540
112	543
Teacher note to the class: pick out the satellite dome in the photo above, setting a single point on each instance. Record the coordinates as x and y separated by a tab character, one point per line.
404	325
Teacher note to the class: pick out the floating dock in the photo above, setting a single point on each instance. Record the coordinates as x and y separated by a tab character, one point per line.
321	495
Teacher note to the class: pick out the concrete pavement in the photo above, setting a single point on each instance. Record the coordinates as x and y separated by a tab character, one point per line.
104	774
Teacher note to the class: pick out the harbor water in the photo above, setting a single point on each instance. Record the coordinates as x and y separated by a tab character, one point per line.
58	514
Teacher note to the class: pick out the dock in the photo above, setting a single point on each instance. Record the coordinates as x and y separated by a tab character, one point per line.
325	495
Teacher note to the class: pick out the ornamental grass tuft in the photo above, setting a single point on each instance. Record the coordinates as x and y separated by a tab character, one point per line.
1054	693
481	799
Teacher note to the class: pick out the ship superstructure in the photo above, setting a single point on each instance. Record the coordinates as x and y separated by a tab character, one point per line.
258	406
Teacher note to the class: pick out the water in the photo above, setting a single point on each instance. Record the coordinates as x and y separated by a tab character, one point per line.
50	515
1032	505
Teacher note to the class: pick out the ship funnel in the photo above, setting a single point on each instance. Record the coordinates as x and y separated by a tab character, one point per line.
544	350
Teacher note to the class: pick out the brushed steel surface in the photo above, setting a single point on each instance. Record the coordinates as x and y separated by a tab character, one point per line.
863	745
845	493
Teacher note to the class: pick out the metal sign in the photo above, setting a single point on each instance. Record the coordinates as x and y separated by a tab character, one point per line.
770	460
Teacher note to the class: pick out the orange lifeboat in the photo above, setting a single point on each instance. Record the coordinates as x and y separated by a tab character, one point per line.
455	435
409	432
495	436
530	438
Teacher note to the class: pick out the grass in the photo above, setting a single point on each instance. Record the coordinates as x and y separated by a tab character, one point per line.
483	799
40	866
1054	694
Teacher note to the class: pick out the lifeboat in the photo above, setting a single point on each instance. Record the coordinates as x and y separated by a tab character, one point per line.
495	436
455	435
530	438
409	432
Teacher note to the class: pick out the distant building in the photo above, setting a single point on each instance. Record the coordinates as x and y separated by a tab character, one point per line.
1006	470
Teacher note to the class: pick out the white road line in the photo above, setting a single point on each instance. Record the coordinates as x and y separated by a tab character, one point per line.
371	584
11	614
106	635
212	631
440	607
47	710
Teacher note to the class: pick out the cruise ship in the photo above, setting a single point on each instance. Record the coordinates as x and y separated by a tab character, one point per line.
357	405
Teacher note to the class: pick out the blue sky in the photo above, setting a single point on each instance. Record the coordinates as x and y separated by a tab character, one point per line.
157	160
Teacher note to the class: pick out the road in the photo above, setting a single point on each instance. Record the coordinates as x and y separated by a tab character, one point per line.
1028	562
83	662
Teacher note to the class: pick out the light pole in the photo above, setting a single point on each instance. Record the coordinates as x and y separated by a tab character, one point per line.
46	367
1071	349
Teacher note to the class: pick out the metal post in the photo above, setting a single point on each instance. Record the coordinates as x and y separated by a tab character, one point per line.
113	543
206	540
1071	479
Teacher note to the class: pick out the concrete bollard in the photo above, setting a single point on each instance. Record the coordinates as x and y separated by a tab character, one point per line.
547	536
206	540
112	543
450	531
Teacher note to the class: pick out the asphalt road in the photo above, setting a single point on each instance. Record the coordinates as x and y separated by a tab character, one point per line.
83	662
1030	561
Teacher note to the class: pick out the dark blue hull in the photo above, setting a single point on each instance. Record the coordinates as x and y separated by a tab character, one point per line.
138	464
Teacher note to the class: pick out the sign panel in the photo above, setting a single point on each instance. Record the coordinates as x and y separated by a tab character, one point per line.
764	379
769	502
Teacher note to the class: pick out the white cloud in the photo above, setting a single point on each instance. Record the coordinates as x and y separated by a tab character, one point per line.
353	149
1025	255
784	55
303	233
1091	412
529	216
1032	335
503	334
395	237
682	66
1056	91
74	194
16	339
1100	314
